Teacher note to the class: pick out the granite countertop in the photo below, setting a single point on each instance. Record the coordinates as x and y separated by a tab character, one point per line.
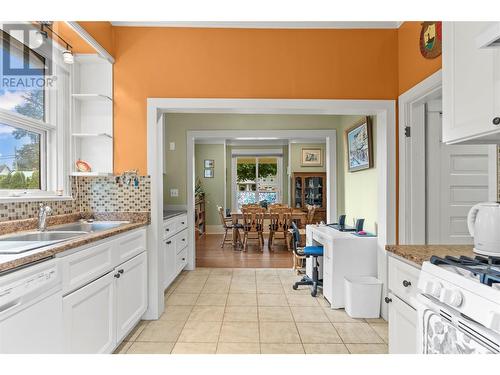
167	214
421	253
11	261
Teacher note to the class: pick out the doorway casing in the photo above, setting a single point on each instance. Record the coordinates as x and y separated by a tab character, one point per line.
384	110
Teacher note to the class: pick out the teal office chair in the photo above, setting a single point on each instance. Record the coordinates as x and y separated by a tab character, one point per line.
309	252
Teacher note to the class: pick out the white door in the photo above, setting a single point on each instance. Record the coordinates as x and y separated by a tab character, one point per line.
131	294
402	327
456	179
89	317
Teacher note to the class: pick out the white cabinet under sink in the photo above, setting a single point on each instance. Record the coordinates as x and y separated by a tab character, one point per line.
89	315
104	301
471	85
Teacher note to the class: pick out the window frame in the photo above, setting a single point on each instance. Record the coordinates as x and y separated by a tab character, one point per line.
54	149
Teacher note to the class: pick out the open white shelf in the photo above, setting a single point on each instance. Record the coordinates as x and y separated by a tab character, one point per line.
91	174
92	114
92	97
87	135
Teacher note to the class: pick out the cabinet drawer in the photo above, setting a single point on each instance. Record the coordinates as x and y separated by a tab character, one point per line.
130	245
181	241
86	265
170	227
181	260
403	279
182	222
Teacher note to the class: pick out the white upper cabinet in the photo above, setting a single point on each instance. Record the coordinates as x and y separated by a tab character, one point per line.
471	85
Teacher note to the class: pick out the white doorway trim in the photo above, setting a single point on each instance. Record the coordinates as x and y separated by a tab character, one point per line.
384	110
409	110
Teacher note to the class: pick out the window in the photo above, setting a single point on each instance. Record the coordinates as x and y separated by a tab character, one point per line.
20	151
33	138
257	179
27	101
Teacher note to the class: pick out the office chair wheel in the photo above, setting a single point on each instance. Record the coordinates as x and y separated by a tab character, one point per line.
314	293
295	287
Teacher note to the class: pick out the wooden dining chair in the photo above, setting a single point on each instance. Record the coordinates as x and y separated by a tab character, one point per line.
311	210
229	227
253	226
281	221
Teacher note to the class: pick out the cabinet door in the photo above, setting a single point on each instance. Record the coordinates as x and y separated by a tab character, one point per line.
169	258
131	294
402	327
89	317
470	83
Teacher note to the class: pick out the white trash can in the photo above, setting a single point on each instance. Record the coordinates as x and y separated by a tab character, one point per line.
362	296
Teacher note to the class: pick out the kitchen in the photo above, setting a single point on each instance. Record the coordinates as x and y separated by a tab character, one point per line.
87	248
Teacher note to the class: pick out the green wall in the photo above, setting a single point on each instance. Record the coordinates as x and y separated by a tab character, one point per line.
296	157
213	187
360	187
357	191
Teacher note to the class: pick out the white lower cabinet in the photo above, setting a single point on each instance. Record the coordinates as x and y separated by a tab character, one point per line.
402	327
98	315
89	317
175	247
131	294
403	278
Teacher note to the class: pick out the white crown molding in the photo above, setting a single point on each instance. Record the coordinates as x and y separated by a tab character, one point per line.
265	25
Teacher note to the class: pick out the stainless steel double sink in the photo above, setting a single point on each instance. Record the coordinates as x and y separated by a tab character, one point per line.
26	241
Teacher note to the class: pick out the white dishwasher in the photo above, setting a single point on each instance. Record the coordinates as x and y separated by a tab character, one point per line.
31	310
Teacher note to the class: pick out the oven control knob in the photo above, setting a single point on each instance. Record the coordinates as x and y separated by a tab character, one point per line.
452	297
433	288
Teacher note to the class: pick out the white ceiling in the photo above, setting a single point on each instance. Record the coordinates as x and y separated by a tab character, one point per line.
266	25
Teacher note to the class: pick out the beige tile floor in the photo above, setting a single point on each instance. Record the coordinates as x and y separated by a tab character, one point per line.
251	311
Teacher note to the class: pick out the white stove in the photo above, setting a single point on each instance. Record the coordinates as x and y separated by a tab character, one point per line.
459	305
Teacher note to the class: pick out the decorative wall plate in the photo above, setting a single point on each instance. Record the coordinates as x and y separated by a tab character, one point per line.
83	166
431	39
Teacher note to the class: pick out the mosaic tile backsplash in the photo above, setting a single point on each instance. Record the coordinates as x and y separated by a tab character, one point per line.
96	194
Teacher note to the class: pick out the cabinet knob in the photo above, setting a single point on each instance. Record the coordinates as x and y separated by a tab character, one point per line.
387	300
117	275
183	259
496	121
184	239
183	223
168	230
169	242
406	283
121	271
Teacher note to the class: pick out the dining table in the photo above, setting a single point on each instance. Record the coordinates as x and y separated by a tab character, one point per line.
299	216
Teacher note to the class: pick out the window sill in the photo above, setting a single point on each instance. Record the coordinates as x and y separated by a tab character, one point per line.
35	198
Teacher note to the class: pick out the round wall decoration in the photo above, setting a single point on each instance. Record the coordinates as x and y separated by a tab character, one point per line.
431	39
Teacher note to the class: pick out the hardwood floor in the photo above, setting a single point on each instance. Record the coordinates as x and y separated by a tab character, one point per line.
210	254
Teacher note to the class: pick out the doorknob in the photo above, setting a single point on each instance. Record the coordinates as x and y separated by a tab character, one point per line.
387	300
496	121
406	283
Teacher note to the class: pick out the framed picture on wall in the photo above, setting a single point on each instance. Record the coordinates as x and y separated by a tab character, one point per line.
312	157
209	163
209	173
359	146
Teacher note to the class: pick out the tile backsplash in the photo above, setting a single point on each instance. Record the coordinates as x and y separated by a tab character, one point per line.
97	194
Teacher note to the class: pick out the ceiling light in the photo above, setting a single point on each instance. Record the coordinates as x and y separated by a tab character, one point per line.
68	57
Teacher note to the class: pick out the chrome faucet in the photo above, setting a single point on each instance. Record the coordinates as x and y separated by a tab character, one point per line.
42	217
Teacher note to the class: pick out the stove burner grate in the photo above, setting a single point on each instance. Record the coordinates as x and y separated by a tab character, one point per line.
487	269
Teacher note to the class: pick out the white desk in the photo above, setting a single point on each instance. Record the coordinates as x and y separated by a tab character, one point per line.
344	254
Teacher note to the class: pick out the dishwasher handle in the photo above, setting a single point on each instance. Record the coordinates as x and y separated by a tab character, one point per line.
9	306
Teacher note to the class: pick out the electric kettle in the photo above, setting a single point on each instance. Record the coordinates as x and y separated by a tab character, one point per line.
483	221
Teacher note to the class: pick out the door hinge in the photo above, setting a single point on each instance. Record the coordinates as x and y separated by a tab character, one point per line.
407	131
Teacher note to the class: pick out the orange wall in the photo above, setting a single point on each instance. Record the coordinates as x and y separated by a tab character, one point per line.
72	37
102	32
242	63
412	66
